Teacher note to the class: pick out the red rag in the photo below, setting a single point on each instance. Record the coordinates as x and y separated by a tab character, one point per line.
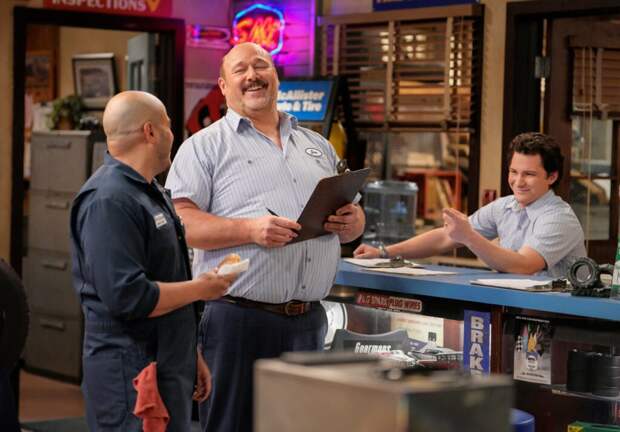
149	406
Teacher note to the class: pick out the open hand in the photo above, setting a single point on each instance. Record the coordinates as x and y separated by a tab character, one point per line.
457	225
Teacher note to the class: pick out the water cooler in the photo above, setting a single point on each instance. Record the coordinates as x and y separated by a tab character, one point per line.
390	208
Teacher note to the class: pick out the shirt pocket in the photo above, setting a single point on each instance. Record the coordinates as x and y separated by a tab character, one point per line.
241	187
314	169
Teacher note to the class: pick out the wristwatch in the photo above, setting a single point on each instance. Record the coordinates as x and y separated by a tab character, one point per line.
383	253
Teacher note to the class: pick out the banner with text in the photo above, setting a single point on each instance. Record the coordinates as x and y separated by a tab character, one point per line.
477	341
383	5
160	8
306	100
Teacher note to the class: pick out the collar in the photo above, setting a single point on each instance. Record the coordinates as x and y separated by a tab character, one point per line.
236	120
125	169
532	209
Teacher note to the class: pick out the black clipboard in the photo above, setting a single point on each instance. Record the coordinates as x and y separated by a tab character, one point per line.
329	195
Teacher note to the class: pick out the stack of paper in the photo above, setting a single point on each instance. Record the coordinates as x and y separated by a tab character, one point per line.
520	284
408	271
374	262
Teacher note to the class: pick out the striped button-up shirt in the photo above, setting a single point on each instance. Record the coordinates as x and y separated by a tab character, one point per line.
230	169
548	225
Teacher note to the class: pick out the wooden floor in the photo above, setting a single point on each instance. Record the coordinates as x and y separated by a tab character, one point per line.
44	399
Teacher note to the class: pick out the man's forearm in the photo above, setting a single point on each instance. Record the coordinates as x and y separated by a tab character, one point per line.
431	243
173	295
501	259
206	231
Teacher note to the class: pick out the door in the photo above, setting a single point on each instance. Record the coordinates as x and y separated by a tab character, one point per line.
582	111
141	70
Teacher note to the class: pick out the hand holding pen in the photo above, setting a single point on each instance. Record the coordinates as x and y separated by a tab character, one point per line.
273	230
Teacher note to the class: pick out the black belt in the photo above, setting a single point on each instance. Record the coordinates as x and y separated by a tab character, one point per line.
291	308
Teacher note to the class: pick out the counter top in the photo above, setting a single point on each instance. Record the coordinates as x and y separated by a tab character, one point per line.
458	287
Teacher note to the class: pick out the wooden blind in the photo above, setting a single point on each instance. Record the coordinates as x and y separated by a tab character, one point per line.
596	80
406	73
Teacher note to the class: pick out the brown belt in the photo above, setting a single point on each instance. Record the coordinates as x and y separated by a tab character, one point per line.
291	308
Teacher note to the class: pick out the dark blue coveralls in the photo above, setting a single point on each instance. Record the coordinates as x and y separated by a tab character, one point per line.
125	236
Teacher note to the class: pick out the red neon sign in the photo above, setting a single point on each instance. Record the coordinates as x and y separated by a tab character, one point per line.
260	24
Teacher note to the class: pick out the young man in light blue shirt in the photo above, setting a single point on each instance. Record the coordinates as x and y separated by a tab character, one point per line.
538	231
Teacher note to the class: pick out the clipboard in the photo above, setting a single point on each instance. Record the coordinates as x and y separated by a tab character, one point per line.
329	195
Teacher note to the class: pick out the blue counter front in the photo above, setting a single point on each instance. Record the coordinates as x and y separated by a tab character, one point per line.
459	287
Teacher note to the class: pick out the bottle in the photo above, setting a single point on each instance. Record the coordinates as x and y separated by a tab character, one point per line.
615	282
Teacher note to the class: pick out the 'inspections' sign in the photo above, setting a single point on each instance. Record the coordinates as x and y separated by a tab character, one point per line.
162	8
306	100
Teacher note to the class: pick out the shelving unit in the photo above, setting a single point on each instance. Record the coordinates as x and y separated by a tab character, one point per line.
437	189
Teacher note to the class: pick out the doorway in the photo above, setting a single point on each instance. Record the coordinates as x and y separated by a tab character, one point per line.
171	60
558	81
582	110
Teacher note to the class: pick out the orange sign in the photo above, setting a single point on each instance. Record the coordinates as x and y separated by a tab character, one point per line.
161	8
263	25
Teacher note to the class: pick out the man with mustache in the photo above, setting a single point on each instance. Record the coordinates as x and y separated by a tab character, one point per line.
228	181
537	230
131	271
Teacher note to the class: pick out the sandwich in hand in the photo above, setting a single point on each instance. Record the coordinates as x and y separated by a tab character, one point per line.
232	264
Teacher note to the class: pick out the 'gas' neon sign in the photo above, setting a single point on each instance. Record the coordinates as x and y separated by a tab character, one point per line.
263	25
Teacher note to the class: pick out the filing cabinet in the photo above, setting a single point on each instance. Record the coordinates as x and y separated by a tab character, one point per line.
60	160
61	163
54	345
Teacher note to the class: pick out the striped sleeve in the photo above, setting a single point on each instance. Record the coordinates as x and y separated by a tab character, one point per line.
554	235
191	173
484	219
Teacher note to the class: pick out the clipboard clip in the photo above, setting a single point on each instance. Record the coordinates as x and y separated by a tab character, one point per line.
342	166
396	262
556	285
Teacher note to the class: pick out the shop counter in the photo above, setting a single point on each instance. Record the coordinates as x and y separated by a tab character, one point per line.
377	302
459	287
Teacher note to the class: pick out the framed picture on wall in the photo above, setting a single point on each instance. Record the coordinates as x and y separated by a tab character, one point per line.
40	75
94	78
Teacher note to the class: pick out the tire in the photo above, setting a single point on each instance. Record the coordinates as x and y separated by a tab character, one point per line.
14	316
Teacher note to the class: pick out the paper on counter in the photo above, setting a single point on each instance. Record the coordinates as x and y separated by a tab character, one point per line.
408	271
372	262
235	268
520	284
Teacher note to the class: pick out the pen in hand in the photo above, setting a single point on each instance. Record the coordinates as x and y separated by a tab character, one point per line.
272	213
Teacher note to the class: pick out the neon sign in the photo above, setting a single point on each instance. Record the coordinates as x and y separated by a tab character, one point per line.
263	25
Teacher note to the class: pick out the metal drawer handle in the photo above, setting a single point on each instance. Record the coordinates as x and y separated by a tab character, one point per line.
55	265
63	145
58	205
52	324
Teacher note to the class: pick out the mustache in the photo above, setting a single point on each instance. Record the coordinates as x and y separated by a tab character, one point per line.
258	81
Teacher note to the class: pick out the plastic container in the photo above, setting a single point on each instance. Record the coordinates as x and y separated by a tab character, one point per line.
390	208
522	421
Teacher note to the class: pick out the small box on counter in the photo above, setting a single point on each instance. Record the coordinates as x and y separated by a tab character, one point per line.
591	427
